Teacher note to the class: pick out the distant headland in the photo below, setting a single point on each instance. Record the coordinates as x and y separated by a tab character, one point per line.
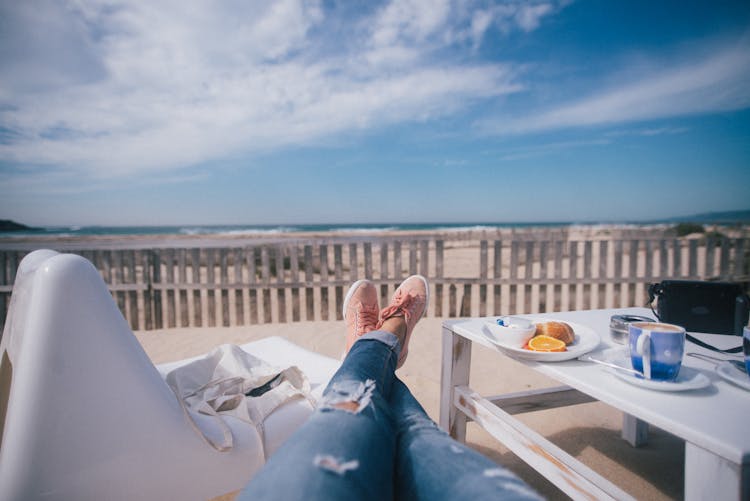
726	217
8	225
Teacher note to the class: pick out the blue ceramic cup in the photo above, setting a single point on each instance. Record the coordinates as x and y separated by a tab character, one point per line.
656	349
746	347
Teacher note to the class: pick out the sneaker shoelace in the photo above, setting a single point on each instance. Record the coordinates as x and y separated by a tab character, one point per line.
405	305
366	319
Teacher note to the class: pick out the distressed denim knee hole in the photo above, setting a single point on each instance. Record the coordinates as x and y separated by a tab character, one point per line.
349	396
335	465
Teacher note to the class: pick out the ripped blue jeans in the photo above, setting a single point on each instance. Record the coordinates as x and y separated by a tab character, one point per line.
370	439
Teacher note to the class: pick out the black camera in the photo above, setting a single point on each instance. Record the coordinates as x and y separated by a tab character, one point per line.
712	307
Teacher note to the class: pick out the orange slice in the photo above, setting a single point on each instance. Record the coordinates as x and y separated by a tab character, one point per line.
546	343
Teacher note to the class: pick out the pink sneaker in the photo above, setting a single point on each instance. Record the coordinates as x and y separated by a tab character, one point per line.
360	311
409	301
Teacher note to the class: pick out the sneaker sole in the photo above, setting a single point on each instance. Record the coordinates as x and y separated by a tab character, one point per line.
350	293
426	295
401	361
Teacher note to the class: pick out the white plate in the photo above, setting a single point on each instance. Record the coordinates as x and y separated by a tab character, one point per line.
732	374
586	339
687	379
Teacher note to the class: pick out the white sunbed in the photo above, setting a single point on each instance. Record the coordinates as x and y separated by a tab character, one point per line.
84	414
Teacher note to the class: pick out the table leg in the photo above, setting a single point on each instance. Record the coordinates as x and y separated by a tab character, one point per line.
634	431
454	372
708	476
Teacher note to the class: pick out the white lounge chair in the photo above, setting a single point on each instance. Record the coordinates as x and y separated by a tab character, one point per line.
84	414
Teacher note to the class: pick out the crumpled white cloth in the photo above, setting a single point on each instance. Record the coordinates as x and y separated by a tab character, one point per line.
228	381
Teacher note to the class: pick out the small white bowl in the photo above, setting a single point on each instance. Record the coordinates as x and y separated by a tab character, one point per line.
514	332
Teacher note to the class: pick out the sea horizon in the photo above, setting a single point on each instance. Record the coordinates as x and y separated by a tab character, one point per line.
276	229
741	217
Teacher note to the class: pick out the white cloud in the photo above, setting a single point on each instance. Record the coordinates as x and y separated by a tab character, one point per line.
414	20
519	15
648	131
171	84
715	83
480	22
437	23
529	16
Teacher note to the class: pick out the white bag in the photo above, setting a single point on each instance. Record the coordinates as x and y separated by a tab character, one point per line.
230	382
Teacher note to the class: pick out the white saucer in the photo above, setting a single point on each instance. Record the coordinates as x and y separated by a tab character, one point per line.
732	374
687	379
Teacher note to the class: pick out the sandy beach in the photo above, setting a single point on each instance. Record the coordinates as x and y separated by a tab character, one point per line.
590	432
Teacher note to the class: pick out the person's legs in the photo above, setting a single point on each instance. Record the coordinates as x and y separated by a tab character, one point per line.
430	465
345	449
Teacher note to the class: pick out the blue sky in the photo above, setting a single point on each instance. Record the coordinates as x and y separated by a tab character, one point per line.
303	111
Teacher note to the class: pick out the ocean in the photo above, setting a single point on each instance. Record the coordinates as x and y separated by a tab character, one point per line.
240	230
741	217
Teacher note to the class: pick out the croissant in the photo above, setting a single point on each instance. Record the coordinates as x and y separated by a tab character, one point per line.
557	330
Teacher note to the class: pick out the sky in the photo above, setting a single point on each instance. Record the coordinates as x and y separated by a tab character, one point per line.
345	111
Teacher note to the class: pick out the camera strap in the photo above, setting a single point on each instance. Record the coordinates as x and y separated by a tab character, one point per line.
700	343
654	291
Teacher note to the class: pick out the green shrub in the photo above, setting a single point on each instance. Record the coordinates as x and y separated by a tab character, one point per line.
683	229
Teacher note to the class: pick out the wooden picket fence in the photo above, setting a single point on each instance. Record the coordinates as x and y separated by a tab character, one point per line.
300	280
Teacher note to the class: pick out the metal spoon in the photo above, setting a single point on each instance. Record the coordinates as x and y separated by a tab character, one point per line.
587	358
709	358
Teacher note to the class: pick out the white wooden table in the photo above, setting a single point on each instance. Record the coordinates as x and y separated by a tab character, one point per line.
712	421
